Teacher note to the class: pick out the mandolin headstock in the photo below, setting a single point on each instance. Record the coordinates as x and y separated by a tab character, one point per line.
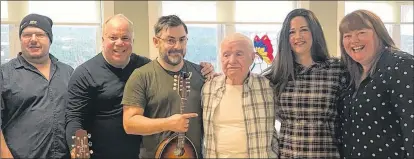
182	83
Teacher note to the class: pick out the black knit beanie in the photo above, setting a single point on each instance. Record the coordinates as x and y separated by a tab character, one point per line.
39	21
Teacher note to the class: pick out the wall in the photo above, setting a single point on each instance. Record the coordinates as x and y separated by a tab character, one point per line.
137	12
327	12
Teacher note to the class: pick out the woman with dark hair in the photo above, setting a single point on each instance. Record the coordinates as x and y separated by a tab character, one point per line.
307	84
377	112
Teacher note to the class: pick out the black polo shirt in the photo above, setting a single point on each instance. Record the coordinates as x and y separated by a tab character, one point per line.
32	110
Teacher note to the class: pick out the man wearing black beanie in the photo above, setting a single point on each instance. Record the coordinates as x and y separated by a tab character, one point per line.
39	21
33	88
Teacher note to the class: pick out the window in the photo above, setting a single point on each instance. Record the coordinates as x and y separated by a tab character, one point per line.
407	13
67	11
4	10
209	21
407	36
202	43
191	10
5	46
74	45
271	30
76	35
265	11
261	23
383	9
397	16
202	38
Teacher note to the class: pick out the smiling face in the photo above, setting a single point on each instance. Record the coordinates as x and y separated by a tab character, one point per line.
363	36
172	44
117	42
35	43
300	37
360	45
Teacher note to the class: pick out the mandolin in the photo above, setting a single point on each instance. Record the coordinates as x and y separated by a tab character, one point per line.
82	144
178	145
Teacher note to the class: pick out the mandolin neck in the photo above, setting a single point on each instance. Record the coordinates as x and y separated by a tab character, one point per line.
183	84
181	135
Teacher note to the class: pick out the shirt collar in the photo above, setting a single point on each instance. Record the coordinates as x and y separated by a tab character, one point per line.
222	79
316	65
21	62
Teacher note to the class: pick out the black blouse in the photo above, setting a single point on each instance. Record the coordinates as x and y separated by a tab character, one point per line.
378	121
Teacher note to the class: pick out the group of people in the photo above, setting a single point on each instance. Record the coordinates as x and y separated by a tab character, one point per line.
359	106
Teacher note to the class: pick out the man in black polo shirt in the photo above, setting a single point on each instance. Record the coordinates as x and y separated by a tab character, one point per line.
96	90
33	88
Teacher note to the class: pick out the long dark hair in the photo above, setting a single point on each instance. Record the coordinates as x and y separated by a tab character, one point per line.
282	68
358	20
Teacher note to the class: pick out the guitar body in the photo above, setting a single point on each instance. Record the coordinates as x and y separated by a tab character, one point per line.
167	148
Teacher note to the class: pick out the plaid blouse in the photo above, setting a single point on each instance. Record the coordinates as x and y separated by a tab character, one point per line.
258	106
307	111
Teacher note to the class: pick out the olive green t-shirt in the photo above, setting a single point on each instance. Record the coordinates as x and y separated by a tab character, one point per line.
151	87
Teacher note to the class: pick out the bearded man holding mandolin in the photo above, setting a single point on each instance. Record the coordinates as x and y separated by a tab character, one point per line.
162	99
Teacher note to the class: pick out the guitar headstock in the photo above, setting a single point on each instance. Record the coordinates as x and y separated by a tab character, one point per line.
182	83
82	144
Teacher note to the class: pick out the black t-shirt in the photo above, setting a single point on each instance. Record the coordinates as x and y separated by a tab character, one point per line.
151	87
94	104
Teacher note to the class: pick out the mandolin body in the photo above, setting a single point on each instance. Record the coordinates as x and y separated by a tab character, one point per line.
167	147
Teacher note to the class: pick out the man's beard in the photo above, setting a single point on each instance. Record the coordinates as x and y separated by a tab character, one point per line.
174	61
36	57
30	56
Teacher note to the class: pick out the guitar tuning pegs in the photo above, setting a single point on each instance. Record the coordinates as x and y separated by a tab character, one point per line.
73	145
174	88
90	144
175	76
89	136
73	137
90	151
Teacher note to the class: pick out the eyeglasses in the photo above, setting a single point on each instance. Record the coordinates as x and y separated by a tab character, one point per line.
38	35
173	41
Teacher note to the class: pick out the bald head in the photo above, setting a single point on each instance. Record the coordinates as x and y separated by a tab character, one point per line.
238	37
236	56
117	40
118	19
